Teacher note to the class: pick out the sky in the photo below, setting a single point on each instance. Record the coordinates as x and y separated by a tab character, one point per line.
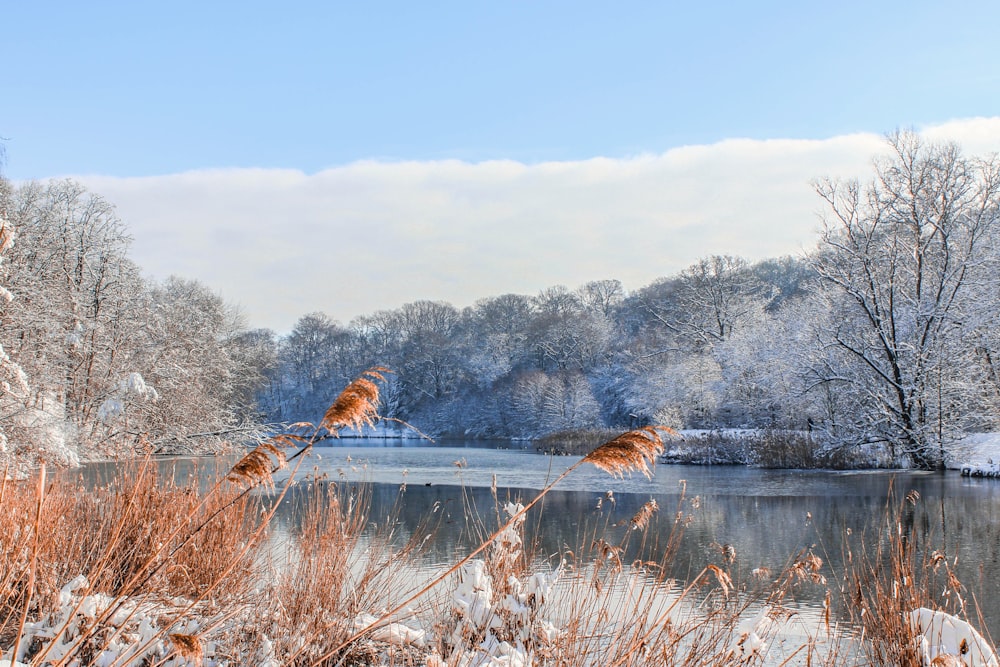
350	157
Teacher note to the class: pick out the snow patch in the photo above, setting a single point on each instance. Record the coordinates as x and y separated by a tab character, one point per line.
391	633
135	385
977	455
137	635
110	409
940	634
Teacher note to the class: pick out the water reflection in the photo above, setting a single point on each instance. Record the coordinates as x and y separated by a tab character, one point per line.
767	516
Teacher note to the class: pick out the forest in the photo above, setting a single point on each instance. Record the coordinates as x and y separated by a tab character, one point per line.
881	341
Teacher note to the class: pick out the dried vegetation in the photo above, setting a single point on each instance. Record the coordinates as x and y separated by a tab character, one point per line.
148	570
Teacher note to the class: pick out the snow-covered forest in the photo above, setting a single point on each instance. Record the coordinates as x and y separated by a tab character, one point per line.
883	337
98	361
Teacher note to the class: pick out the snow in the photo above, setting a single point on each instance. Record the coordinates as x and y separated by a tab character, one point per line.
132	385
977	455
941	634
380	430
75	337
481	611
110	409
748	640
135	385
397	634
137	636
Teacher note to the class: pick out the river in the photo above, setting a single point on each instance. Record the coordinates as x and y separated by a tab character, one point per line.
767	516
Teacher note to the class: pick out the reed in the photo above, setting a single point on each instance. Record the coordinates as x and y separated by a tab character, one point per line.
148	570
890	574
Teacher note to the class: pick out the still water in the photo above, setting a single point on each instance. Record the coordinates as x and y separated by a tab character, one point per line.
768	516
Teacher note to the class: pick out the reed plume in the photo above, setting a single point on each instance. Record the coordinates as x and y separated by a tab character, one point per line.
257	466
357	404
631	451
645	513
188	647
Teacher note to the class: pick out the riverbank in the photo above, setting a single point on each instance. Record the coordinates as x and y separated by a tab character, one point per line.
766	448
976	455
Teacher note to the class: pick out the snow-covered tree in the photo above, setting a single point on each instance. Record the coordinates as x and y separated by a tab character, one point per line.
194	359
14	390
544	403
900	255
602	296
75	299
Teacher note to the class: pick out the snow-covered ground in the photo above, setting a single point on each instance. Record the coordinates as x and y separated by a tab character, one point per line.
977	454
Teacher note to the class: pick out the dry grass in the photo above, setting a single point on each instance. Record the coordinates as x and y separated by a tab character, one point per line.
892	572
339	563
129	538
173	574
84	563
573	441
768	448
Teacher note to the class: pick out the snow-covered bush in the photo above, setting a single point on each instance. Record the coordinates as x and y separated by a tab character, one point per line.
497	605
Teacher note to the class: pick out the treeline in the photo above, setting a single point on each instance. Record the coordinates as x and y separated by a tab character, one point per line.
883	341
97	361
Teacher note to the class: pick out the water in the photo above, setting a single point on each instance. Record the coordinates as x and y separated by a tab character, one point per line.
768	516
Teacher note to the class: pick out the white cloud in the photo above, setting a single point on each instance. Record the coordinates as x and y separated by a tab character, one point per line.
373	235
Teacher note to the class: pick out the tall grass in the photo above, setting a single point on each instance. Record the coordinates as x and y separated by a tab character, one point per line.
894	571
76	561
148	570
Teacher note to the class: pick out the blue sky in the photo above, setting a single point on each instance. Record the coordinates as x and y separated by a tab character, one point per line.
138	89
423	104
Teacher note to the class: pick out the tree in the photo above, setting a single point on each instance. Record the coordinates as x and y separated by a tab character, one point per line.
313	363
685	337
498	340
602	296
74	320
14	389
432	362
256	380
716	295
195	359
544	403
899	255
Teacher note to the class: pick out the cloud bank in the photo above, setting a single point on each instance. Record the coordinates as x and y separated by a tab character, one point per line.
372	235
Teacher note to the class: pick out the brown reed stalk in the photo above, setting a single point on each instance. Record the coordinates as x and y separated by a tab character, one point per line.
884	584
111	534
355	406
33	568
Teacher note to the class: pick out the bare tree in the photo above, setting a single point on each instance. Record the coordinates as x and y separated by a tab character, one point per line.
14	388
193	360
602	296
899	254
